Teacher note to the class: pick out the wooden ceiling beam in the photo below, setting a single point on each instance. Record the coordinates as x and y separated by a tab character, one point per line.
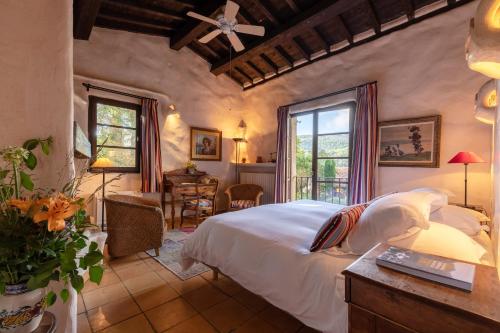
127	26
208	49
242	73
372	15
84	16
265	7
239	82
116	19
323	38
293	5
143	9
220	43
193	27
339	21
302	47
409	8
285	55
269	62
320	12
256	69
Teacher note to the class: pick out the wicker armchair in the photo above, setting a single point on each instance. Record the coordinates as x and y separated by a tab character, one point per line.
134	224
241	196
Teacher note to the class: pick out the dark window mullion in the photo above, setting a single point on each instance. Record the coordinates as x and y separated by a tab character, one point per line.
335	133
117	147
116	126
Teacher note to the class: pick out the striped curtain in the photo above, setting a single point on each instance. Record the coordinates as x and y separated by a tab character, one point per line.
151	170
364	150
281	182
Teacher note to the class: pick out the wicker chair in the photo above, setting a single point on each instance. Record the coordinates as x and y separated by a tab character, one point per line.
134	224
199	199
241	196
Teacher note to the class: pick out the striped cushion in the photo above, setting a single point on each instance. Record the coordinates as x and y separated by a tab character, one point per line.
333	232
202	203
242	204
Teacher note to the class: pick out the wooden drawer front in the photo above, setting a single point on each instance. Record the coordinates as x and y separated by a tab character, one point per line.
362	321
412	312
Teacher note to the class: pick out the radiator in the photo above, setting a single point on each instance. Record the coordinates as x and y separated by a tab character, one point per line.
266	180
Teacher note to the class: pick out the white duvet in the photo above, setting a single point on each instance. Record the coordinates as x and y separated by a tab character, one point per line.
266	250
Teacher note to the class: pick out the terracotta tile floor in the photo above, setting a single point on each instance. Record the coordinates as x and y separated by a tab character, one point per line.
138	295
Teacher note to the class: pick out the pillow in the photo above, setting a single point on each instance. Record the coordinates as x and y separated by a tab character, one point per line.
388	217
466	220
441	196
446	241
337	227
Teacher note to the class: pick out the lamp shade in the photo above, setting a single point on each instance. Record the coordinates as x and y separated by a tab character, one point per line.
466	157
486	103
483	44
102	162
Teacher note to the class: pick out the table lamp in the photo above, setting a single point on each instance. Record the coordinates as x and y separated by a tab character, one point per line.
465	158
102	163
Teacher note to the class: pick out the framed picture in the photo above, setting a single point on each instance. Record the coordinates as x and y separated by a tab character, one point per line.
410	142
206	144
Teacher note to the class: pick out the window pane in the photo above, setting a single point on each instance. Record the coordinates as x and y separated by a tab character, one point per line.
121	158
336	145
333	192
114	115
329	169
336	121
116	136
303	157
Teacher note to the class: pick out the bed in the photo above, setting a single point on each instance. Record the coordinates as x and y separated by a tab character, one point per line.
266	250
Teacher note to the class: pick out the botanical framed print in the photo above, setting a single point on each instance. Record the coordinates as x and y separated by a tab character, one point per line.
206	144
410	142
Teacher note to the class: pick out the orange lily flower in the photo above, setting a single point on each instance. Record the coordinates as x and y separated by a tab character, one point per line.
59	209
21	204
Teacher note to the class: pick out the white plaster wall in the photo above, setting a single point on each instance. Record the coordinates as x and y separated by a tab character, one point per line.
496	184
202	99
36	47
420	71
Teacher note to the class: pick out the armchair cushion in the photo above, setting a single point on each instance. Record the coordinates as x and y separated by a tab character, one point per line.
242	204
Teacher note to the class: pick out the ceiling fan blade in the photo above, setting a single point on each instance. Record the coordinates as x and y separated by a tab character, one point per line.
250	29
203	18
208	37
231	11
236	42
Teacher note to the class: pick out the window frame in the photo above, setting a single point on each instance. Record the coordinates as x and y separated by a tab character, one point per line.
351	105
93	101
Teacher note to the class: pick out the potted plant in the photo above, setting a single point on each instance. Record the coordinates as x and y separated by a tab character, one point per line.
191	167
41	240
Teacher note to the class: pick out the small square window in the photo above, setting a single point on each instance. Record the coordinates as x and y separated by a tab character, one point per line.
114	131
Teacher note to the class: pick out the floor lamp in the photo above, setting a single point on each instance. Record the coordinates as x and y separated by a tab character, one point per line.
101	164
238	142
466	157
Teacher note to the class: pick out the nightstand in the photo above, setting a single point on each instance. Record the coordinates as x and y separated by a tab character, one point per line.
486	224
385	301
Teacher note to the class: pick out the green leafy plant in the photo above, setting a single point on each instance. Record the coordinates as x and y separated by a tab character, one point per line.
42	235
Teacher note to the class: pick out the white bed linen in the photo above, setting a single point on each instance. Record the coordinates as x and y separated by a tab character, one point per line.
266	250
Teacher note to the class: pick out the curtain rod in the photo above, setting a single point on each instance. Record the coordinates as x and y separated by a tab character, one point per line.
328	95
91	86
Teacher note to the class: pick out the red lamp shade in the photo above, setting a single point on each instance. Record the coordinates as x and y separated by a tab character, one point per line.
466	157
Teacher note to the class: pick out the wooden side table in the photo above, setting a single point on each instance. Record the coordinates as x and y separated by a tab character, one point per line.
383	300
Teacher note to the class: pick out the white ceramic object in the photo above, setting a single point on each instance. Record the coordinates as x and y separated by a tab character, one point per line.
486	103
22	312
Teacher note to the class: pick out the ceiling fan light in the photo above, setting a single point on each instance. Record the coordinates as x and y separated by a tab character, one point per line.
483	44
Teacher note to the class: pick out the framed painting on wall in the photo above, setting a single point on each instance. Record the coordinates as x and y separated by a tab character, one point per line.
206	144
410	142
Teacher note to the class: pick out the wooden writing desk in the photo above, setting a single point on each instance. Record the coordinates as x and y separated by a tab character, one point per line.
171	181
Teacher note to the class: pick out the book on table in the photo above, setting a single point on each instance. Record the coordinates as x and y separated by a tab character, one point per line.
430	267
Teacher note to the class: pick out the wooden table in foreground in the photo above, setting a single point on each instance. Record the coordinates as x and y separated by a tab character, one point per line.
385	301
171	181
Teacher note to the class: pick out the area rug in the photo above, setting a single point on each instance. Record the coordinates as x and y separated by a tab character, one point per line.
170	254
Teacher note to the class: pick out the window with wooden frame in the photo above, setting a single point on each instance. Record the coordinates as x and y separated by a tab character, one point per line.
115	133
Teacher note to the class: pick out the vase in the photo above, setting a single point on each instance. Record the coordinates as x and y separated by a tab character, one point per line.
21	310
191	171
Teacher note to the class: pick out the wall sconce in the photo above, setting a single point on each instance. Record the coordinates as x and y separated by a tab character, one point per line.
172	110
486	103
483	43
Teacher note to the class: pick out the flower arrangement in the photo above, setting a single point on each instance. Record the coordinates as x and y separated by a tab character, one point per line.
42	231
191	165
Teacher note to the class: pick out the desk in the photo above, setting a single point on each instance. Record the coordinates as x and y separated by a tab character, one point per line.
171	181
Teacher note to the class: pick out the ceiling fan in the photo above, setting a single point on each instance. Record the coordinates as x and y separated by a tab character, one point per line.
228	25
